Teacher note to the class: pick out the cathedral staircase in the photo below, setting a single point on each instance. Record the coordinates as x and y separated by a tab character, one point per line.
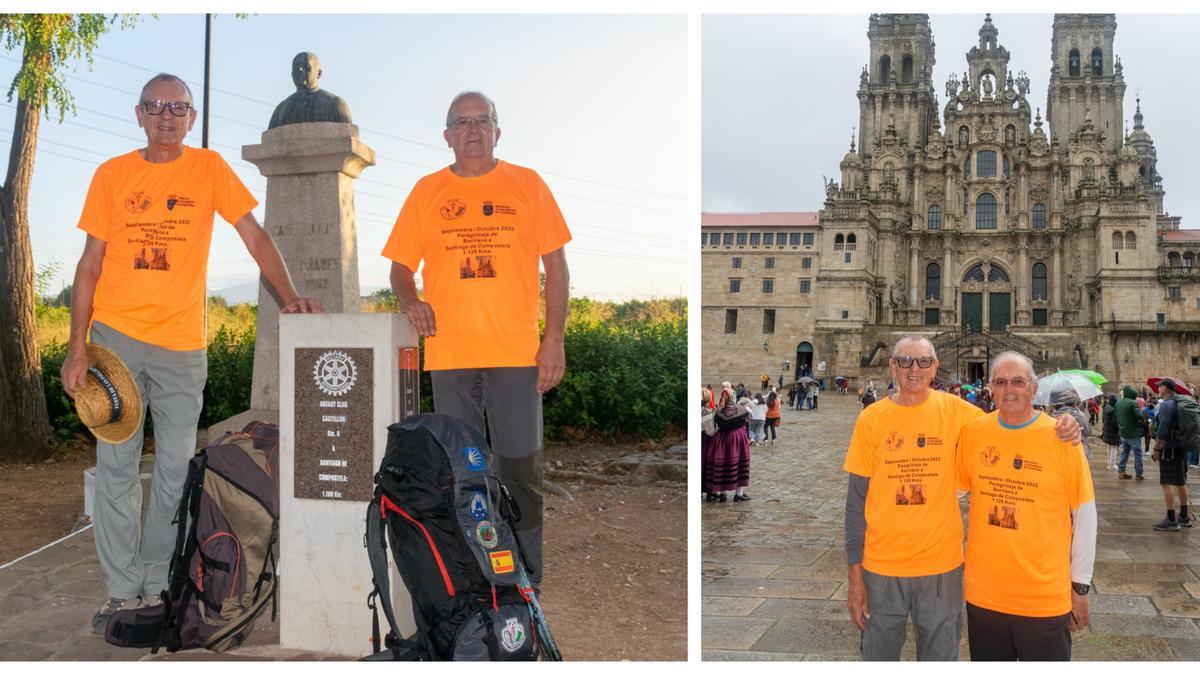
954	341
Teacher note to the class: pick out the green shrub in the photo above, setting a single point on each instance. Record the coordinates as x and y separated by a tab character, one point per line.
59	407
230	374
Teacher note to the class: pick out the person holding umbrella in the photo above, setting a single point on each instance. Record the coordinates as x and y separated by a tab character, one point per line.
1171	457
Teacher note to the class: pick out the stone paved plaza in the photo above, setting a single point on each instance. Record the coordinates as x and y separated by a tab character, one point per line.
774	570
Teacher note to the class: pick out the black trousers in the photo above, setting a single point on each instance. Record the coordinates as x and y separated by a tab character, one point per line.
996	636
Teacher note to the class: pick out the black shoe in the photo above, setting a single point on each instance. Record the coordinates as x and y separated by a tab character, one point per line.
746	498
1166	525
710	497
721	498
1185	522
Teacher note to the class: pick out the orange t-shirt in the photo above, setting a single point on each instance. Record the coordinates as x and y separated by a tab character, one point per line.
1024	483
481	239
914	526
156	221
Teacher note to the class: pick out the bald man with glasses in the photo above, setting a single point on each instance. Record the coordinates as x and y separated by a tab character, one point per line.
903	525
139	290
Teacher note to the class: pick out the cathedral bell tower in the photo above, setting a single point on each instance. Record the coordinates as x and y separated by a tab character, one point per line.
896	87
1085	78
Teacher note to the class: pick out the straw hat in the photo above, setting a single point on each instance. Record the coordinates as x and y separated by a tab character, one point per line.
109	403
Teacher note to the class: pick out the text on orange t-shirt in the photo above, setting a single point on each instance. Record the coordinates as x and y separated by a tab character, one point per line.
914	525
156	221
481	239
1024	482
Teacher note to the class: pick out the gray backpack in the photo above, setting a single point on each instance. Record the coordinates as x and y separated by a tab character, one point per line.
222	574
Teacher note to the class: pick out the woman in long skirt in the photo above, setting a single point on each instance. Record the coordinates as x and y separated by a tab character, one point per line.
728	467
708	427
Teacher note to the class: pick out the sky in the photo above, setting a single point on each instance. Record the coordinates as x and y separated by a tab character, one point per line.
597	104
779	97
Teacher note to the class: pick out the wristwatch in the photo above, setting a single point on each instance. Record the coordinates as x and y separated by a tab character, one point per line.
1080	589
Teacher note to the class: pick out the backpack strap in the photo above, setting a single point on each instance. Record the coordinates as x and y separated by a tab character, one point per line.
178	584
376	543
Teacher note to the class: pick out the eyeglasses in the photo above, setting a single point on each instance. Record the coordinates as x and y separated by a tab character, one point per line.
177	108
483	122
1015	383
905	362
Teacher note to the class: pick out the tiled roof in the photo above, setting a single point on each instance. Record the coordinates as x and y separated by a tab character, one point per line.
1180	235
768	219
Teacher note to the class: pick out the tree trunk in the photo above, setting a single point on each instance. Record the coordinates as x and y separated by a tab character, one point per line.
24	427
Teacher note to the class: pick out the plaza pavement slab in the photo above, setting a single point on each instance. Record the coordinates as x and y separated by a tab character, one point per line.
774	570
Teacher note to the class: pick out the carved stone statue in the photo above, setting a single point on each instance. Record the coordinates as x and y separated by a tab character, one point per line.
310	103
1074	292
900	293
987	87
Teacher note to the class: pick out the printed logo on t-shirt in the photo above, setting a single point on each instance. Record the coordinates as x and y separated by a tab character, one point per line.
453	209
176	200
1003	516
137	202
910	494
477	267
488	209
924	440
152	258
990	456
894	441
1020	462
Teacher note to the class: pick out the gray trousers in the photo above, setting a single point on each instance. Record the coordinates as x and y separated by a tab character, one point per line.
133	560
936	605
504	404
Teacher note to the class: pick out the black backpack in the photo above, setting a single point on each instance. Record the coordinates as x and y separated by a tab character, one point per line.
1187	423
440	506
222	573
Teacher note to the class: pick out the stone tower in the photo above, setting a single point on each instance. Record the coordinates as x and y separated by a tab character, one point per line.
1085	78
896	87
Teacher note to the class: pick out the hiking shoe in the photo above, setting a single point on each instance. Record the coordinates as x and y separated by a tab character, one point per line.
1166	525
1185	522
114	605
1124	476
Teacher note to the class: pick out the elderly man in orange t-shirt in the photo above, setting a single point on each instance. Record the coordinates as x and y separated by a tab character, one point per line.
480	226
1032	526
139	288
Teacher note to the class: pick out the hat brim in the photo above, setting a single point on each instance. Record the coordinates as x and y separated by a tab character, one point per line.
130	420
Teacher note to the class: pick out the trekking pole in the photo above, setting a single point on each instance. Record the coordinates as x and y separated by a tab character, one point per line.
549	647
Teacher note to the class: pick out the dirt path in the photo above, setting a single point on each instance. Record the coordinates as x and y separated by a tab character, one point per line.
616	556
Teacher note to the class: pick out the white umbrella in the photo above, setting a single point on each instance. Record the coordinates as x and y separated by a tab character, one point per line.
1064	388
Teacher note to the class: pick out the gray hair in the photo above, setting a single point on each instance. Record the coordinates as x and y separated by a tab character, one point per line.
1015	356
165	77
472	94
913	338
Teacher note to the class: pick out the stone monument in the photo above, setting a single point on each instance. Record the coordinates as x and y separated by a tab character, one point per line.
310	169
343	378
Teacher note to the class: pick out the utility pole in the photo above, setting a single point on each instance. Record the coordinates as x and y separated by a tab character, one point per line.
207	68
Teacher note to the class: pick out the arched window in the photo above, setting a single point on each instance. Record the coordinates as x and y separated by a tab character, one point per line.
935	217
839	242
1130	241
851	242
1073	63
1097	62
933	281
1142	171
985	211
1118	241
1039	216
885	67
985	163
1173	259
1039	281
906	68
1188	260
997	275
974	274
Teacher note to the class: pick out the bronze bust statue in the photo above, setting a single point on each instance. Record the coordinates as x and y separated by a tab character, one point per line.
310	103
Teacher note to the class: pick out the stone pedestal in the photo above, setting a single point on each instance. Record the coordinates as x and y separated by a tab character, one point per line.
343	379
310	169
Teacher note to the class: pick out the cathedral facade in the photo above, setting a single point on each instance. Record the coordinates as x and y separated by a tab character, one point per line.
972	220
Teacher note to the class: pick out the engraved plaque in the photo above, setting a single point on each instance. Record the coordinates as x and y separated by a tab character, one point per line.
334	404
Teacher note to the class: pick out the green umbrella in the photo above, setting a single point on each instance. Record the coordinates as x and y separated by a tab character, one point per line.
1096	378
968	387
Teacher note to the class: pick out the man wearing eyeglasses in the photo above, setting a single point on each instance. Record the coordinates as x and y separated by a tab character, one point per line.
1031	539
903	526
480	226
140	289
